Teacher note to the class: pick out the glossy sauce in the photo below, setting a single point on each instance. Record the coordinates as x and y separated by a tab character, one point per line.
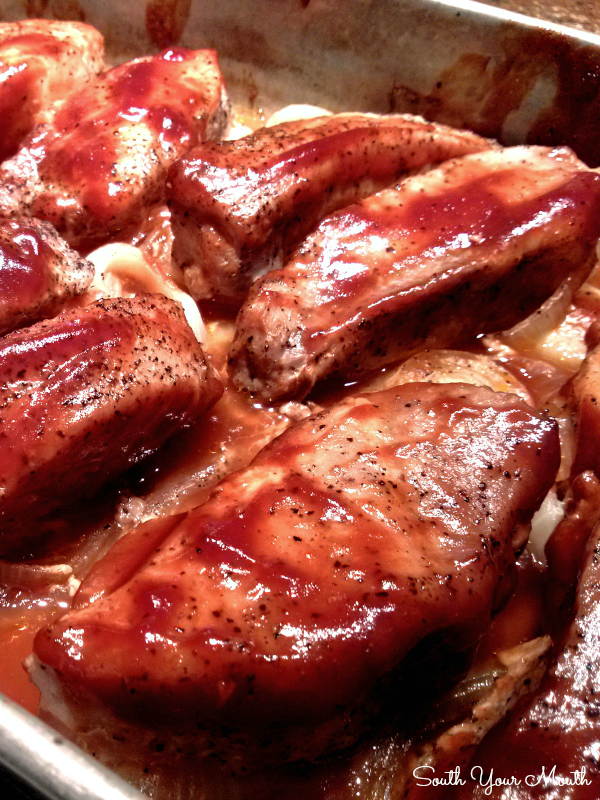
332	583
342	779
14	85
89	143
464	220
23	270
87	395
18	85
551	744
16	637
40	63
102	159
260	206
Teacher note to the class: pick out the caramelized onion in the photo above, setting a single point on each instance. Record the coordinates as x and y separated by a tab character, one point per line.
34	577
556	331
453	366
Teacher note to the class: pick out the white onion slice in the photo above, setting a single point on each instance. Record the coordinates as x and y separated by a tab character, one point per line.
552	333
35	576
122	271
544	521
453	366
549	315
296	111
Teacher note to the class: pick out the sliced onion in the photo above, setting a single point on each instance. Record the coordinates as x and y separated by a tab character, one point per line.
296	111
544	521
453	366
131	512
526	335
34	576
122	271
568	445
237	130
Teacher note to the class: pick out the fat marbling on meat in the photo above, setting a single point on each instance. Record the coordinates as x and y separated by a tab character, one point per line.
282	611
473	246
86	395
39	273
42	62
103	159
239	208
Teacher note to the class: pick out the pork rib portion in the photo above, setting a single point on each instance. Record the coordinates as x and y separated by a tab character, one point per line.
239	208
38	272
472	246
548	746
42	62
104	158
278	608
88	394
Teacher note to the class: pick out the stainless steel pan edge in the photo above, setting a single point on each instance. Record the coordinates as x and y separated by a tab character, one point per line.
502	74
424	56
52	765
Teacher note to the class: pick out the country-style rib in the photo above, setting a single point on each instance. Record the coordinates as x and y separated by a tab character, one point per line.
281	609
86	395
239	208
39	273
42	62
473	246
103	159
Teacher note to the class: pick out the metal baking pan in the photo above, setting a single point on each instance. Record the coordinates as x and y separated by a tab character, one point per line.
464	63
